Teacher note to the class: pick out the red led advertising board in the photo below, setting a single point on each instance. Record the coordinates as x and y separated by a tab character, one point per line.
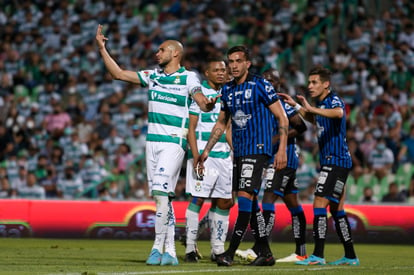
135	220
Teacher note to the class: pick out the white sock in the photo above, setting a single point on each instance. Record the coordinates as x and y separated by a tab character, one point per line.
219	230
170	239
161	218
191	229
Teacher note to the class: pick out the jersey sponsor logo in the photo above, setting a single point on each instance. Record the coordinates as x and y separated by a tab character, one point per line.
238	93
229	96
270	173
247	170
251	83
241	119
159	97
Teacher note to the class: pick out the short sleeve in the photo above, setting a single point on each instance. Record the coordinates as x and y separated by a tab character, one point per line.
193	84
267	92
337	102
144	77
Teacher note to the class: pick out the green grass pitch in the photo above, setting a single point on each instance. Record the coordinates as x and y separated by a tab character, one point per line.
127	257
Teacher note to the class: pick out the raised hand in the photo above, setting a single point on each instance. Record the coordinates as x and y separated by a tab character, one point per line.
100	38
287	98
304	102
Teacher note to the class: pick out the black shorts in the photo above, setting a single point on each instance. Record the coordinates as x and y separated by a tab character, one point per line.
331	182
281	182
248	172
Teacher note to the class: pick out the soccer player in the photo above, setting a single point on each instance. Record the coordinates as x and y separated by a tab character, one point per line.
251	102
216	182
170	89
282	184
335	160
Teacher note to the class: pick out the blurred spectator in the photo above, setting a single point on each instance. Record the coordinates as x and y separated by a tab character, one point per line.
136	141
31	190
124	158
50	182
393	194
104	127
381	159
122	118
5	139
20	180
111	144
56	122
306	174
368	195
373	90
358	159
41	168
69	184
406	153
5	190
73	148
409	191
92	174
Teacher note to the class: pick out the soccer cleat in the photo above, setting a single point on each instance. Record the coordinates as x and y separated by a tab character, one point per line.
267	260
191	257
183	241
248	254
312	260
346	261
291	258
224	260
213	257
154	257
167	259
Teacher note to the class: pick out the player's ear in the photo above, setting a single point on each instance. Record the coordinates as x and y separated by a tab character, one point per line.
249	63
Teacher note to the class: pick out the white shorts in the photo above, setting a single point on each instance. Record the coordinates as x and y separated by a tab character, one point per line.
164	161
216	182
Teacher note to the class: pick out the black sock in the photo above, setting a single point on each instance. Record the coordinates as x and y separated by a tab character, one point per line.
254	226
262	235
239	229
299	230
320	228
343	230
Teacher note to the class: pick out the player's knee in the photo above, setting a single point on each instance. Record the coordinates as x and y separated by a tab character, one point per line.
225	204
197	201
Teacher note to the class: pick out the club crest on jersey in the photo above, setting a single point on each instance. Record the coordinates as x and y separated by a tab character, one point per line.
248	94
198	186
177	79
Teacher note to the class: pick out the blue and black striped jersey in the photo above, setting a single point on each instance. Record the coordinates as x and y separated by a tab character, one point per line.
292	154
252	121
333	149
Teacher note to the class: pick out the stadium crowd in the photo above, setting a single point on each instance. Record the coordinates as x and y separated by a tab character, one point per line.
67	130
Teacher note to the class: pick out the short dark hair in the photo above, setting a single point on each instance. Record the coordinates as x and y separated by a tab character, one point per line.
324	73
213	58
240	48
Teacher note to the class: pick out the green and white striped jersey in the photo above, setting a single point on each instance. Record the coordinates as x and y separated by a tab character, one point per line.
205	124
168	103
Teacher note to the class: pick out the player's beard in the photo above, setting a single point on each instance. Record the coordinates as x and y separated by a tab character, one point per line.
165	62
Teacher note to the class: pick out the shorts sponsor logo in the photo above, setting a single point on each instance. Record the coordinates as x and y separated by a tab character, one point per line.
247	170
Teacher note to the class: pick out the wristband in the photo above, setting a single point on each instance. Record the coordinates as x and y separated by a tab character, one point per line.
297	107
